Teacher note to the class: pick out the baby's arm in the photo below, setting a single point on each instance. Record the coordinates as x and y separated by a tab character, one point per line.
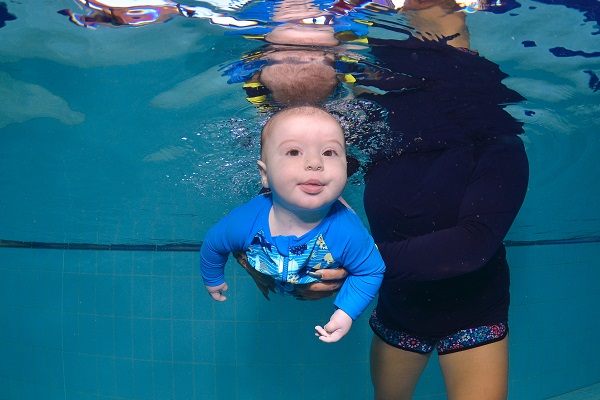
338	326
219	241
232	233
212	261
366	268
360	257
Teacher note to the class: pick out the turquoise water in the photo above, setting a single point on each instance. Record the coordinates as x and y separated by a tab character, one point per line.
130	136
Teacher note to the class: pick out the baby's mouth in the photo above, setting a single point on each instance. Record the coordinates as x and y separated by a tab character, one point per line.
312	186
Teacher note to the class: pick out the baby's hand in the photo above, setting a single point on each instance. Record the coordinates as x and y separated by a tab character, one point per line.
339	324
216	292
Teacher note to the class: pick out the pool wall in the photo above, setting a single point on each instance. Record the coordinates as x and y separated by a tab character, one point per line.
139	325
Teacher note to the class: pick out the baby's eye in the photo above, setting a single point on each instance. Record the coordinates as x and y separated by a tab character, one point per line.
330	153
293	153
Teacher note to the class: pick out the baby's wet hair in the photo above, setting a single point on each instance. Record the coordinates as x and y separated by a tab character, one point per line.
304	110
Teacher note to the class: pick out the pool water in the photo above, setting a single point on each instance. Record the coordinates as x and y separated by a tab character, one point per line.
130	138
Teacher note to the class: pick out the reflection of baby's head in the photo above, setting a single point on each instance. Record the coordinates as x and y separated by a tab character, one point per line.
299	77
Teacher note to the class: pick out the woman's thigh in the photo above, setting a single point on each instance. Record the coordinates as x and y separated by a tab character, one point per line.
479	373
395	372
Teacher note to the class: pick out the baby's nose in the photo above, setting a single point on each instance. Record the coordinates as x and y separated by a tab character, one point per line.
314	164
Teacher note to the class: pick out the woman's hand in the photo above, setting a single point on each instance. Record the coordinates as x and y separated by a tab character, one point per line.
331	281
265	283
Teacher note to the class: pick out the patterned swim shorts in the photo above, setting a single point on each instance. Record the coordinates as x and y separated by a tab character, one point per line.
459	341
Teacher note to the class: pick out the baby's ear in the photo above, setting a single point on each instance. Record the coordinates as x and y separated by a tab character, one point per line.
262	168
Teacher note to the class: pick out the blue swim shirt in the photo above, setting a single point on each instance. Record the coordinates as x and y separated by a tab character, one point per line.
340	240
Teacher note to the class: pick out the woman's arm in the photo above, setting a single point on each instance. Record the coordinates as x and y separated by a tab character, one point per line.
490	204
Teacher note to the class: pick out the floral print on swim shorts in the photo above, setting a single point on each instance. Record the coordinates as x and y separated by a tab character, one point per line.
462	340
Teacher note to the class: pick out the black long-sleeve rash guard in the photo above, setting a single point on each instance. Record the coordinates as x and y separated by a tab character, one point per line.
440	204
442	214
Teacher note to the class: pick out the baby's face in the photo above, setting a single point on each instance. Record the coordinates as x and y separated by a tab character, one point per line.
304	161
